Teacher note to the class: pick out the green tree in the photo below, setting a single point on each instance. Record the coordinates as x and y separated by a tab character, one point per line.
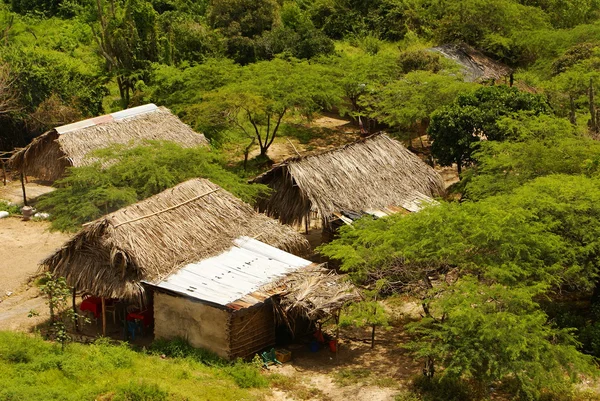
454	130
127	38
474	116
490	333
406	104
241	22
89	192
265	93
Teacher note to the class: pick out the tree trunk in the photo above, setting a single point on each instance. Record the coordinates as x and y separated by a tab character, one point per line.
429	369
572	115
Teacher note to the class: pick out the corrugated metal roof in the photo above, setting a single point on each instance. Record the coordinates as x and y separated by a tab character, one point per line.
235	274
119	115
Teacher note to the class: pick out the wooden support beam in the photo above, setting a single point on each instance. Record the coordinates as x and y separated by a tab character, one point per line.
23	188
3	171
337	335
75	309
103	317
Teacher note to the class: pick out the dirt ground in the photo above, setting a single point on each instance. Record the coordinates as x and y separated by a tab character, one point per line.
358	373
13	192
23	244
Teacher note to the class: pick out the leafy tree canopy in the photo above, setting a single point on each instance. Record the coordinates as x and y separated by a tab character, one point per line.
134	174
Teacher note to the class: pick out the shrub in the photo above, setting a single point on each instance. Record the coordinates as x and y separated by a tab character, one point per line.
246	375
9	207
90	192
419	60
140	391
442	388
181	348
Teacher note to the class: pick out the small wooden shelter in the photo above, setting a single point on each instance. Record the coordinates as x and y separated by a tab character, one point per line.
210	264
475	66
47	156
376	175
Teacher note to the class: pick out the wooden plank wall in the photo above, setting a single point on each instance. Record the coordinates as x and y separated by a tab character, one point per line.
251	330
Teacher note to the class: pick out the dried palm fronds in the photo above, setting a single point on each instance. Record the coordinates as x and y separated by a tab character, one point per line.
151	239
47	156
372	173
315	293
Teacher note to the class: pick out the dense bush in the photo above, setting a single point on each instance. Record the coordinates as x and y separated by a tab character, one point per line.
133	174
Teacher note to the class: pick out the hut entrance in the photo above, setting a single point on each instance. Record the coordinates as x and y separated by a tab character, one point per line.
115	318
301	327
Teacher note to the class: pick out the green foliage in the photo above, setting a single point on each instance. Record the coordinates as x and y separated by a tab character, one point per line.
364	314
265	93
410	101
122	176
419	60
33	370
140	391
181	348
58	294
9	207
246	375
439	388
547	148
455	128
492	333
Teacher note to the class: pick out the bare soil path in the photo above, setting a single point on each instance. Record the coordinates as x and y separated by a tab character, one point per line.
23	244
358	373
13	192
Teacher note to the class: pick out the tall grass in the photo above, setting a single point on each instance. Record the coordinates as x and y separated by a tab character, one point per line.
32	369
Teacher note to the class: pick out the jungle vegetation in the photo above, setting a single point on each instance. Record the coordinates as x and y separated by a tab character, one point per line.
506	269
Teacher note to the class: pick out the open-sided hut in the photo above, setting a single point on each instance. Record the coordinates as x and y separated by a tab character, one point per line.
475	66
202	255
47	156
376	175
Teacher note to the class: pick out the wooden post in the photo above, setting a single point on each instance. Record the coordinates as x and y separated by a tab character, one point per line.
23	188
3	171
75	309
307	222
337	335
103	317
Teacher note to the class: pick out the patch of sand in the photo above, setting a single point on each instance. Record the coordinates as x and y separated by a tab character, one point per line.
13	192
23	244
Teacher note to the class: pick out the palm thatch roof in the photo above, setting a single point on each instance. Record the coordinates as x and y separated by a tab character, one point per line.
151	239
314	292
475	65
47	156
372	173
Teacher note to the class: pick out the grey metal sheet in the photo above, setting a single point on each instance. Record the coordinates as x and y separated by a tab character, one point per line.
237	272
134	111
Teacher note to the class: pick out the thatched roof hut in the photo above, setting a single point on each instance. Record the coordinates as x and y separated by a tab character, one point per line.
47	156
149	240
373	173
476	66
231	303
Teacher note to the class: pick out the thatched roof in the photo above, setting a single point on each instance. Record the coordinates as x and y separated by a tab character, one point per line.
372	173
314	292
151	239
47	156
475	65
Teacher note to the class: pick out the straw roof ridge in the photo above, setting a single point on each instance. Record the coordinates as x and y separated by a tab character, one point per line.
151	239
49	154
372	173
